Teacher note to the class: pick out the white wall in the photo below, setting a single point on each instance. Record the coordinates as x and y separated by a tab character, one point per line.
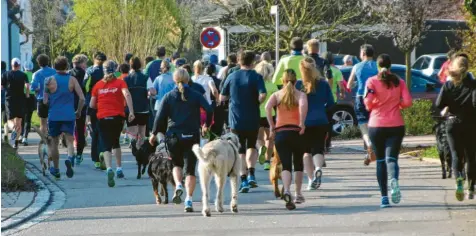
26	50
4	35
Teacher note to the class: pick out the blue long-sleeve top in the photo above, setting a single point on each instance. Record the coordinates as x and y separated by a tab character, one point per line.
318	101
38	81
181	117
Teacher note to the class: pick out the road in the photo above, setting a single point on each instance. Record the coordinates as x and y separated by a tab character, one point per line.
346	204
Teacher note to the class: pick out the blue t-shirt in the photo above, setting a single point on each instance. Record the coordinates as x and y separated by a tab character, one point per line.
163	84
95	74
243	87
152	70
137	84
317	102
61	102
38	81
363	71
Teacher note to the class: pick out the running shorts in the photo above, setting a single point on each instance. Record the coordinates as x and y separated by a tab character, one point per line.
140	119
55	128
42	109
110	129
247	139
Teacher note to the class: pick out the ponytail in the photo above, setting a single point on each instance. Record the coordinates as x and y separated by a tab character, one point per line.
458	70
108	78
289	98
388	78
181	90
181	78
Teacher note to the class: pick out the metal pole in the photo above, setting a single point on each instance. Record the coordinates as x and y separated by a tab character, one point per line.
277	36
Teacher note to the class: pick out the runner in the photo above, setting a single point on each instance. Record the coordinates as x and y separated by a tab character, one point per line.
266	56
319	98
38	86
290	62
163	84
443	73
152	71
79	73
334	83
95	73
128	57
385	96
232	62
30	105
204	80
178	117
214	61
322	65
246	90
218	107
148	59
124	72
265	142
108	98
291	105
361	72
137	83
15	82
59	95
459	95
347	60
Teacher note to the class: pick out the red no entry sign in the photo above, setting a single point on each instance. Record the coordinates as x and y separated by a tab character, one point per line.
210	38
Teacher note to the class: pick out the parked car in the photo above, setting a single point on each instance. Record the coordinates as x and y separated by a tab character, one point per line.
423	87
339	60
430	64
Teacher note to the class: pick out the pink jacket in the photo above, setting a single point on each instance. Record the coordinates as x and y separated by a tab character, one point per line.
384	104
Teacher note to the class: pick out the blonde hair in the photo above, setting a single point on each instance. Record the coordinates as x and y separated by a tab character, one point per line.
289	98
313	45
265	69
309	74
458	69
79	59
197	65
181	77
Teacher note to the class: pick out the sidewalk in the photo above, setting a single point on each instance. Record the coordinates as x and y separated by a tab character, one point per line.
408	141
14	202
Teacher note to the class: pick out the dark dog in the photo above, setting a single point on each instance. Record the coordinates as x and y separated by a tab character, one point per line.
443	147
142	156
160	172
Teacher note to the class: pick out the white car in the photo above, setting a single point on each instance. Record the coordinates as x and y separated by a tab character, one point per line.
430	64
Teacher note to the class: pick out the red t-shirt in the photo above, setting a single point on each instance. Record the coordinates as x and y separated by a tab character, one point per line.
109	97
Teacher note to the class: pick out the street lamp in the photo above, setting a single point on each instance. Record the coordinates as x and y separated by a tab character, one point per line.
274	11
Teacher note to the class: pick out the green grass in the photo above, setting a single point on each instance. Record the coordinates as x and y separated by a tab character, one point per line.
349	133
13	171
35	120
430	152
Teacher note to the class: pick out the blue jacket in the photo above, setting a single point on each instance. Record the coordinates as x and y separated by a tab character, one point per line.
317	102
38	81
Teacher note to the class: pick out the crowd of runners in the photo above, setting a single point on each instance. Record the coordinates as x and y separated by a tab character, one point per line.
283	107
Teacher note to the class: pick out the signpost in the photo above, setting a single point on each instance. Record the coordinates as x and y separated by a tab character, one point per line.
210	38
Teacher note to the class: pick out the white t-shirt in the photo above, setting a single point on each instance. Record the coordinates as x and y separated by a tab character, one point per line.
206	81
221	73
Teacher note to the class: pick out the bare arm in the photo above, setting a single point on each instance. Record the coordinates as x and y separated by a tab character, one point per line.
77	89
302	111
223	98
213	88
27	88
262	97
270	105
93	102
350	82
128	98
45	98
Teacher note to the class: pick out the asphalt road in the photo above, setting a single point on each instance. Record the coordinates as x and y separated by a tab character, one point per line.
346	204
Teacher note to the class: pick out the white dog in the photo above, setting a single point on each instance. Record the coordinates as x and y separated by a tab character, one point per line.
222	158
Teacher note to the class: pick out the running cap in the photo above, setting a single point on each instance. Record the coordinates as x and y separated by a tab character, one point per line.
16	61
180	62
109	67
214	59
28	66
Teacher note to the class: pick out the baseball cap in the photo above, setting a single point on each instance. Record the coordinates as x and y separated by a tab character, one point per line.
214	59
100	56
16	61
109	67
180	62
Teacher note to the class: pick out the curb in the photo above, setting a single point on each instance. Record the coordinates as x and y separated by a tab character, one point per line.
39	203
49	198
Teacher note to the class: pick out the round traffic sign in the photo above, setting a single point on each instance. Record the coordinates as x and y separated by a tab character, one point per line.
210	38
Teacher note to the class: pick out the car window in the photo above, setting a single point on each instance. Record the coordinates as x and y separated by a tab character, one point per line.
425	63
417	64
439	62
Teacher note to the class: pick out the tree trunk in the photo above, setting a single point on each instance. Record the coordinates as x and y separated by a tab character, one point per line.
408	74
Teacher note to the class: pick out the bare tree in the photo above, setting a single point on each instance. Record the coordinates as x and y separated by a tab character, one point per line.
407	22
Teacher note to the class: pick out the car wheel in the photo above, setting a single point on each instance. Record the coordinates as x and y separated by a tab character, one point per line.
342	117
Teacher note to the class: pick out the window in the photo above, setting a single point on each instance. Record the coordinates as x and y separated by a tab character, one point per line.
417	64
439	62
422	63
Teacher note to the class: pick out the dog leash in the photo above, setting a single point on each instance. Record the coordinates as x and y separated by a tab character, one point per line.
234	161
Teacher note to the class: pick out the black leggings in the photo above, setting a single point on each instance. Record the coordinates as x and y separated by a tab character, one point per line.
288	144
461	135
30	107
81	139
219	121
386	143
110	129
180	148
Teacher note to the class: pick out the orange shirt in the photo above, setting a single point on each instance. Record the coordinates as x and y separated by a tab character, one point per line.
109	97
287	117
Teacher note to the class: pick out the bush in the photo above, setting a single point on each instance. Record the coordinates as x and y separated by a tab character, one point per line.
418	118
349	132
13	170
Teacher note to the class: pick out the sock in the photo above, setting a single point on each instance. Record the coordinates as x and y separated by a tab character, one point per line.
251	171
188	198
382	176
243	178
318	161
392	167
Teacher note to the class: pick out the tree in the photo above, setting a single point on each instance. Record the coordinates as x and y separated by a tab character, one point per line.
406	22
330	19
469	36
116	27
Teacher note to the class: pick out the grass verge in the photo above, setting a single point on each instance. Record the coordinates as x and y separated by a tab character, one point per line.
421	152
13	171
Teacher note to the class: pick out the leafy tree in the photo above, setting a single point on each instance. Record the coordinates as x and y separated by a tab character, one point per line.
469	36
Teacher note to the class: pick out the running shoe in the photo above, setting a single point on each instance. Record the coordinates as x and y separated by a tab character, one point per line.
460	189
244	187
97	165
72	160
24	141
470	195
252	181
299	199
119	174
266	165
262	153
110	178
395	192
79	159
126	140
55	173
13	137
289	201
316	181
177	199
385	203
69	168
101	160
188	206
